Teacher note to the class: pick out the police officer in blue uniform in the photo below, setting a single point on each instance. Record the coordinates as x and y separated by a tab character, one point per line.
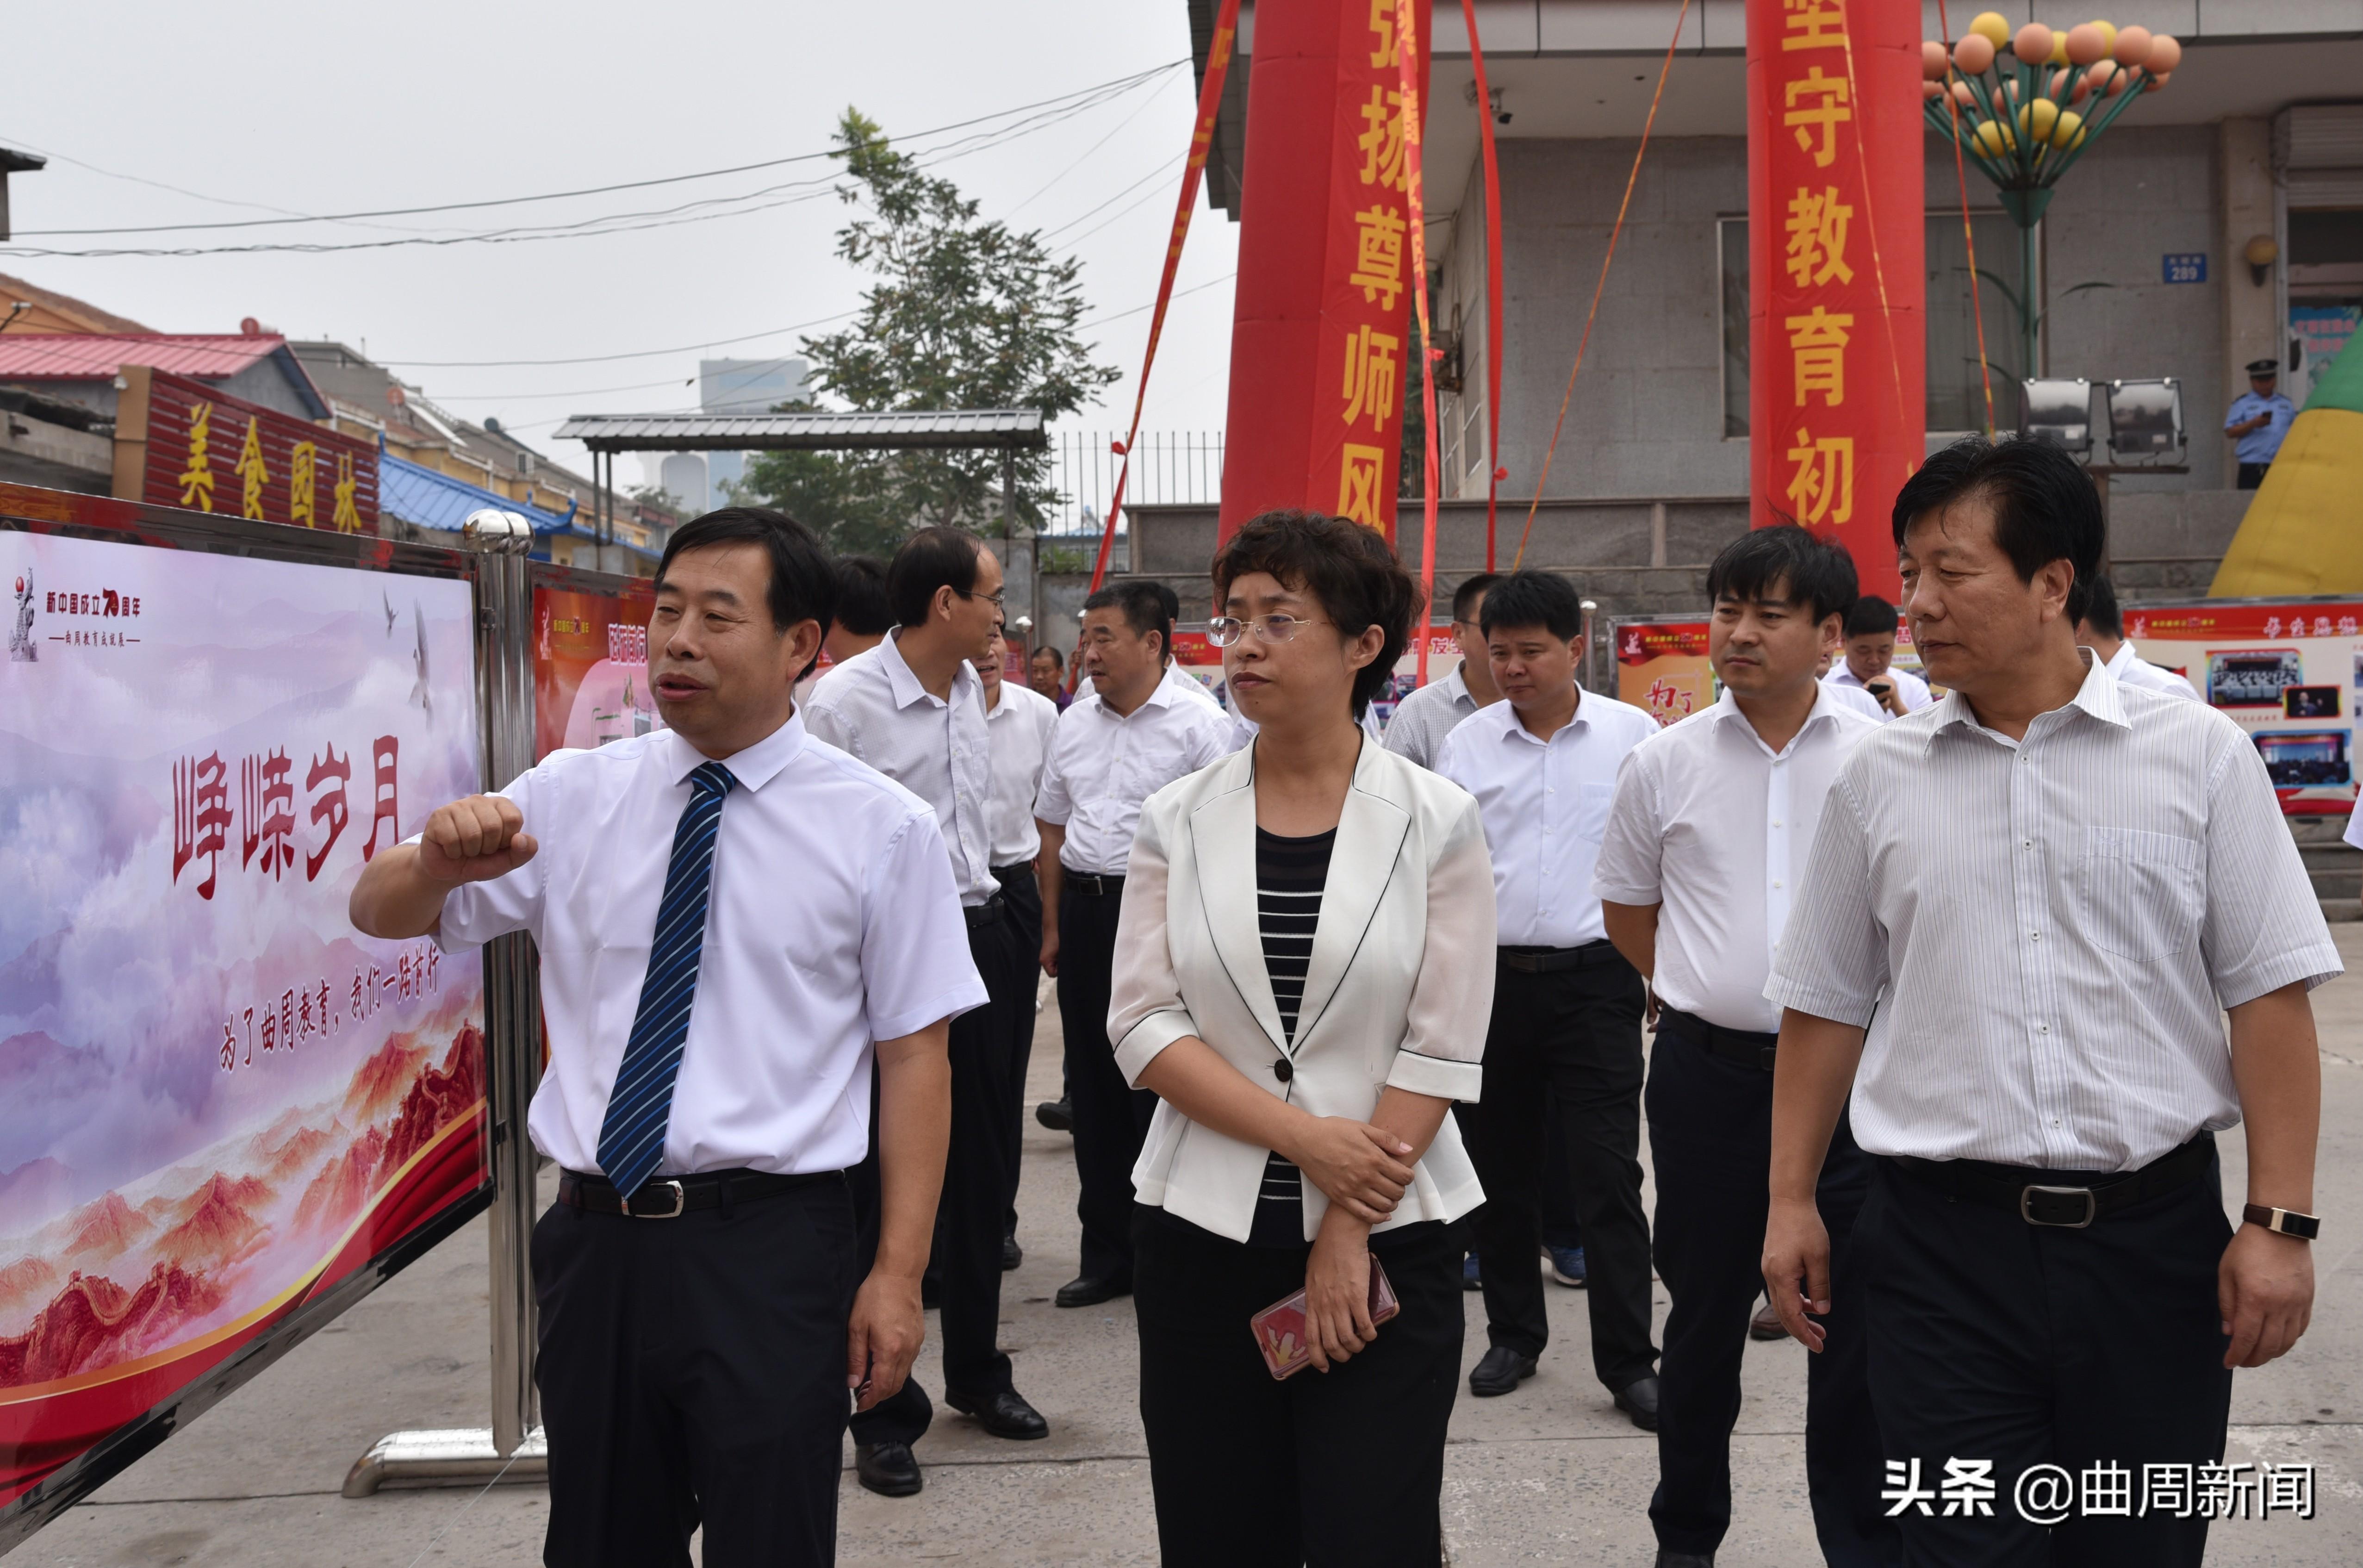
2257	420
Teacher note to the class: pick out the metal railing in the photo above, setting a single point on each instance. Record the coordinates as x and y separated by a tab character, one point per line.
1169	468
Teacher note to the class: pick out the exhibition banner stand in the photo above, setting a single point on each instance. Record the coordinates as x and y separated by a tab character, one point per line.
227	1117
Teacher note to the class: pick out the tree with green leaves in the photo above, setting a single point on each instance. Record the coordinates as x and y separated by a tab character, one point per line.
962	313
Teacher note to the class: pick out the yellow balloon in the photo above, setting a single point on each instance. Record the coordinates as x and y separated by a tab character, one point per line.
2108	35
2036	120
1990	26
2059	55
2070	130
1994	138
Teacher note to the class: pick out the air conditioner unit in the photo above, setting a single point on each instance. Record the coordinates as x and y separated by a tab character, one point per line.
525	465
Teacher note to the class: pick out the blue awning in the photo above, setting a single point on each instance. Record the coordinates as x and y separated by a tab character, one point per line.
427	499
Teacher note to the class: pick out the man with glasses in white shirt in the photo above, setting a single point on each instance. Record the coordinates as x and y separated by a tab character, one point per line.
1135	733
1565	1036
2028	909
1712	824
1424	718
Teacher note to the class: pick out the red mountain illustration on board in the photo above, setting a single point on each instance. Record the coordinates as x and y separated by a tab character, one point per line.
380	1083
440	1095
94	1321
342	1188
104	1226
218	1221
298	1152
26	1278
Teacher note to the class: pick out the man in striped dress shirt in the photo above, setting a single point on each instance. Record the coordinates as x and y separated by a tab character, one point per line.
2029	906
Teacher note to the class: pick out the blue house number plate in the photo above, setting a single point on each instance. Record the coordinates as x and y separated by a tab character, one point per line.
2182	267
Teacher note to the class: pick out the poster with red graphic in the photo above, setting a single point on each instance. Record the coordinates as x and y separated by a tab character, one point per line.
2289	673
590	667
217	1100
1661	666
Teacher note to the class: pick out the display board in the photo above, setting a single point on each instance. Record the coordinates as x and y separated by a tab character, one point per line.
1661	663
589	660
2288	671
224	1115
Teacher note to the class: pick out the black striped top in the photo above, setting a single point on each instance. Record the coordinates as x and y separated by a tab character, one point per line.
1290	876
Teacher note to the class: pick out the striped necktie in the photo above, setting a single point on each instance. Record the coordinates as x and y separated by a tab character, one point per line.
632	1137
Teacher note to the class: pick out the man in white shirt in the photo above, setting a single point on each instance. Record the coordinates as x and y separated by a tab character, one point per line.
1135	733
1870	662
2102	630
1564	1038
1424	718
913	707
1018	720
696	1369
2041	896
1713	825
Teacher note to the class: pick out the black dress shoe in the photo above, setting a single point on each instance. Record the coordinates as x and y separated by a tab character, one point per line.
1005	1414
1090	1292
1499	1372
1684	1559
1012	1254
1058	1115
1638	1399
887	1469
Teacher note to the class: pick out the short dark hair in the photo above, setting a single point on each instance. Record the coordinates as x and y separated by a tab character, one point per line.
2043	504
1471	590
1144	608
803	586
931	559
1058	659
1870	615
2101	611
1350	568
861	606
1786	563
1535	598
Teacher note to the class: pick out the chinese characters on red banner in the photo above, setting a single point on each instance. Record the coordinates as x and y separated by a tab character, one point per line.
213	452
265	812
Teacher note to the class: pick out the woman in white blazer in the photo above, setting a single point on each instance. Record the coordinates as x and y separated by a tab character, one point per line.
1303	971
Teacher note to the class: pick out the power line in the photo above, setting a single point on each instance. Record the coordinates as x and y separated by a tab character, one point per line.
600	359
1115	86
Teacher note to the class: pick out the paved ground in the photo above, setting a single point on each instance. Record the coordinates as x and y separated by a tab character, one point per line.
1549	1475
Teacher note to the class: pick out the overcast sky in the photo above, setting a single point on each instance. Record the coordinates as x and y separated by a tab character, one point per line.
316	109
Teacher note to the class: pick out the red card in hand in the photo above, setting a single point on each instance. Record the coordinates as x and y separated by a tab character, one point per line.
1280	1328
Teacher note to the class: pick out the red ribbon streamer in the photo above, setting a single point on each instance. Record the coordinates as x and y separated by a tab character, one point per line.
1495	472
1407	64
1210	98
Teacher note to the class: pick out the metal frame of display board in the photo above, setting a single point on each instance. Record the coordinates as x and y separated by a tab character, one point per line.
30	509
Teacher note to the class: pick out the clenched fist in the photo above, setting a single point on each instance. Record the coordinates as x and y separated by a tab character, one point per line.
474	839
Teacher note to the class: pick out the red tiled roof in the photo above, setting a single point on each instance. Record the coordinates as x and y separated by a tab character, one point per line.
93	356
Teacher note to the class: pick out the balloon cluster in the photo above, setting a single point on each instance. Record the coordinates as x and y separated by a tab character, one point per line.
2025	101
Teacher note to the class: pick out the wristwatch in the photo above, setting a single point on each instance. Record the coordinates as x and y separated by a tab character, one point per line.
2287	1221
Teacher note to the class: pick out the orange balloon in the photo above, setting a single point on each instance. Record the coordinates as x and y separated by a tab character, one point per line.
1932	89
2086	44
1934	63
2165	54
2132	46
1974	54
2155	80
2098	78
2032	44
1964	95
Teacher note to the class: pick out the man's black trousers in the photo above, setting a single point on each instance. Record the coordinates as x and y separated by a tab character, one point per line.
1111	1117
1341	1469
1022	898
1567	1042
692	1373
2099	1349
1710	1142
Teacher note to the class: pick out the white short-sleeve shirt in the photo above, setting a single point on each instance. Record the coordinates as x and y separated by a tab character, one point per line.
831	922
1019	726
2132	670
1102	764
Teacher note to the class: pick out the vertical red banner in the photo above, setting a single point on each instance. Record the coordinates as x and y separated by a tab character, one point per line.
1837	334
1320	343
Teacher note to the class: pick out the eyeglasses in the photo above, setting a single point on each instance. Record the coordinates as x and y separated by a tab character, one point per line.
999	600
1225	630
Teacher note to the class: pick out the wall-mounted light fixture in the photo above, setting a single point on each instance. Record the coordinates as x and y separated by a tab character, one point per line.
2260	254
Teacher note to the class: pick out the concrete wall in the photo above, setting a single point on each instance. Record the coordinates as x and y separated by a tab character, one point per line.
1646	418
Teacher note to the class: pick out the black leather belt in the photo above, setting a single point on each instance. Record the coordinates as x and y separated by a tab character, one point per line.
1746	1047
980	916
1550	961
669	1197
1092	887
2023	1190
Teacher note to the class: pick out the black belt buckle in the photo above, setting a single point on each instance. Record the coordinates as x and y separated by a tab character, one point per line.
2029	1195
680	1202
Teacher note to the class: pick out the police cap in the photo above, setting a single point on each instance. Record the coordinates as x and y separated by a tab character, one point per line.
2261	368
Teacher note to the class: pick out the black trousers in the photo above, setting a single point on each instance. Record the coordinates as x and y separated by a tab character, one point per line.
1111	1117
1991	1339
1566	1043
1710	1142
971	1216
692	1373
1343	1469
1022	897
2252	474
